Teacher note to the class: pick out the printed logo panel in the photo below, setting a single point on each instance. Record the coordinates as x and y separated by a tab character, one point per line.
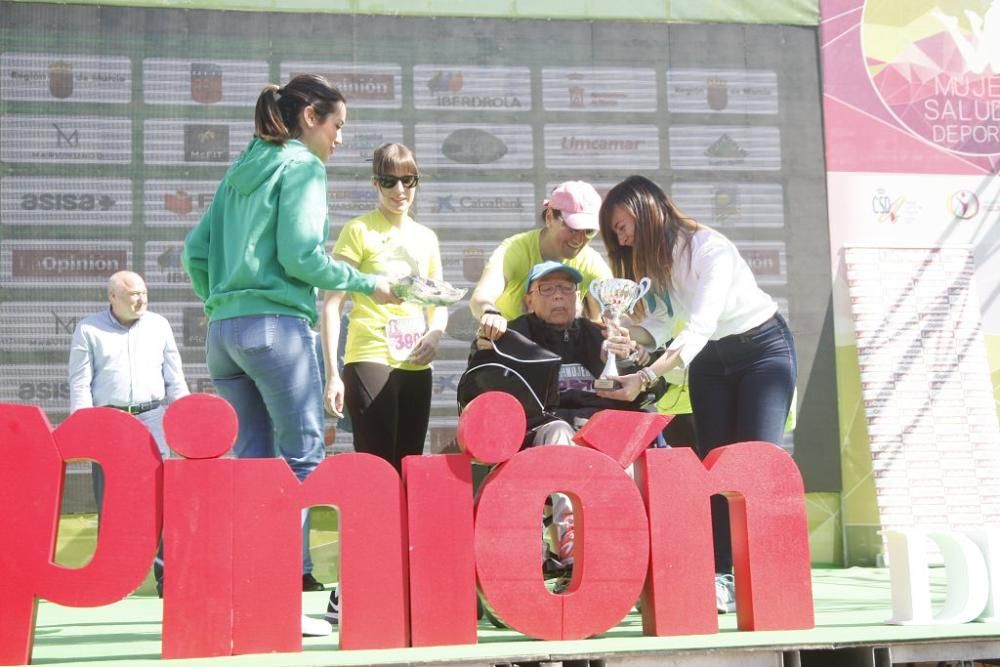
725	148
163	265
766	260
598	89
474	147
48	77
49	325
461	329
65	201
203	82
735	205
58	263
365	86
194	142
65	139
444	383
177	203
360	142
472	88
586	147
500	206
722	91
198	379
463	261
44	386
349	199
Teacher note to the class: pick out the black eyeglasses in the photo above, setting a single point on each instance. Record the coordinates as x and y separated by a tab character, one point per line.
387	182
549	289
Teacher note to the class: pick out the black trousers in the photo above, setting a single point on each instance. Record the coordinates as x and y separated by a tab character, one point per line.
389	409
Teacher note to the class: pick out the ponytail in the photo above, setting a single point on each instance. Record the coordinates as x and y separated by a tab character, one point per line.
276	117
268	121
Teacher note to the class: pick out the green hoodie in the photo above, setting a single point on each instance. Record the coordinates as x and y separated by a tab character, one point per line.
259	249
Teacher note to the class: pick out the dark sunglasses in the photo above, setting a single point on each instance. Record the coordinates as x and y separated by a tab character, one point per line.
409	181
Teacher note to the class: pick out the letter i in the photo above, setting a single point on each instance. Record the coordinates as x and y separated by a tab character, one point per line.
442	563
198	516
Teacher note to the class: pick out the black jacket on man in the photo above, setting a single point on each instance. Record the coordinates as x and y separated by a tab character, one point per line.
580	346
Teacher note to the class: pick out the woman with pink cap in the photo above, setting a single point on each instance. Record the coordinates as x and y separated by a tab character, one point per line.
570	221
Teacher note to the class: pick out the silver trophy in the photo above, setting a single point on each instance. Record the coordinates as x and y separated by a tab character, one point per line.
615	296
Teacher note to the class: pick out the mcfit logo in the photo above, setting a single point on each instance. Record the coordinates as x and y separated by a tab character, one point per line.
472	146
206	143
206	83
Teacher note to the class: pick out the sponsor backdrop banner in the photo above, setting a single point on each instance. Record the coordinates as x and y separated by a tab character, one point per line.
112	150
912	120
793	12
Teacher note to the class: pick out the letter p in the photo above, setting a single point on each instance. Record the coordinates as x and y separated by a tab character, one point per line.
31	483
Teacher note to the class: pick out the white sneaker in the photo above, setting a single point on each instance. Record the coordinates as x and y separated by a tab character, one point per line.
725	593
315	627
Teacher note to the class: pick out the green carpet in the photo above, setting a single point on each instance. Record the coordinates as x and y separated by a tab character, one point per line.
851	606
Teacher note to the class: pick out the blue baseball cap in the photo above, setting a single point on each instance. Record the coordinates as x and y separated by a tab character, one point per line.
543	269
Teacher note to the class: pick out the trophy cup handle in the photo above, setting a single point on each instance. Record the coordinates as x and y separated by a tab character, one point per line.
641	288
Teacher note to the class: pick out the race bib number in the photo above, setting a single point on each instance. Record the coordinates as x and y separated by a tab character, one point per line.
403	334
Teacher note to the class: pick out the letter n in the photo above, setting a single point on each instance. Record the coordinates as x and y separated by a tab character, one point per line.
267	552
31	485
769	535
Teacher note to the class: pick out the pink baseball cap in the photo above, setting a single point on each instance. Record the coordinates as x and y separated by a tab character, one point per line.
579	204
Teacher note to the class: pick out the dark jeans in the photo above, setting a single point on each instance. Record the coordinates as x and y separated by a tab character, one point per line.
741	390
389	409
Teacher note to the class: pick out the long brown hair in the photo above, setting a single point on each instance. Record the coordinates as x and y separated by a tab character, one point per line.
659	227
276	118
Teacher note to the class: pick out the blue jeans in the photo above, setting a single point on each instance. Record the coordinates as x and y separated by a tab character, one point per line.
741	390
266	367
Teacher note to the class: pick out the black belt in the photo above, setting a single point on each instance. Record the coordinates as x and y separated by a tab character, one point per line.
757	329
138	408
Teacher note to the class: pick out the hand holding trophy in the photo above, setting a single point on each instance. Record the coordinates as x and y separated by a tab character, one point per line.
615	296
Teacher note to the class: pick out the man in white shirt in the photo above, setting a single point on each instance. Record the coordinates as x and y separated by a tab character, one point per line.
125	357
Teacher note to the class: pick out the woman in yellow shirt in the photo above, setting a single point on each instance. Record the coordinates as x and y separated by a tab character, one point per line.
386	382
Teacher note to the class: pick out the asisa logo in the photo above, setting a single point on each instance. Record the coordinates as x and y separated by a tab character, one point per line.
66	201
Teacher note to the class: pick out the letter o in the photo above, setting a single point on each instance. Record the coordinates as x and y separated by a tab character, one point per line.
611	549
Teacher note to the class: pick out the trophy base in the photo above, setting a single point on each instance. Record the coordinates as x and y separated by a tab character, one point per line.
607	384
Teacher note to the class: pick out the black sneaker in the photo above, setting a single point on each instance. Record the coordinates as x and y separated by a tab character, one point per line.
332	615
309	583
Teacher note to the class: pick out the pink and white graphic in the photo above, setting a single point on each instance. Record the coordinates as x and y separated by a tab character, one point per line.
937	73
912	86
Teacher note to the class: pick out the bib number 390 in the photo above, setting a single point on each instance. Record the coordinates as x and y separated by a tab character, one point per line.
403	334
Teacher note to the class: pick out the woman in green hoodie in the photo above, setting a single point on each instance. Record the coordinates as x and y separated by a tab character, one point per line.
256	260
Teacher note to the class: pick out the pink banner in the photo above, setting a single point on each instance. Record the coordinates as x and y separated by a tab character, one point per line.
911	86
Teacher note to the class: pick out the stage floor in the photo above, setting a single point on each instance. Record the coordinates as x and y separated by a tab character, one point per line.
851	607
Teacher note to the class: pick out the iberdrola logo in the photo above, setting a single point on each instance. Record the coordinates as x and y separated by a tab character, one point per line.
936	66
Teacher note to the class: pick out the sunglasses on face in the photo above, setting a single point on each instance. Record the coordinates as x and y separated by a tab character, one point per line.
387	182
